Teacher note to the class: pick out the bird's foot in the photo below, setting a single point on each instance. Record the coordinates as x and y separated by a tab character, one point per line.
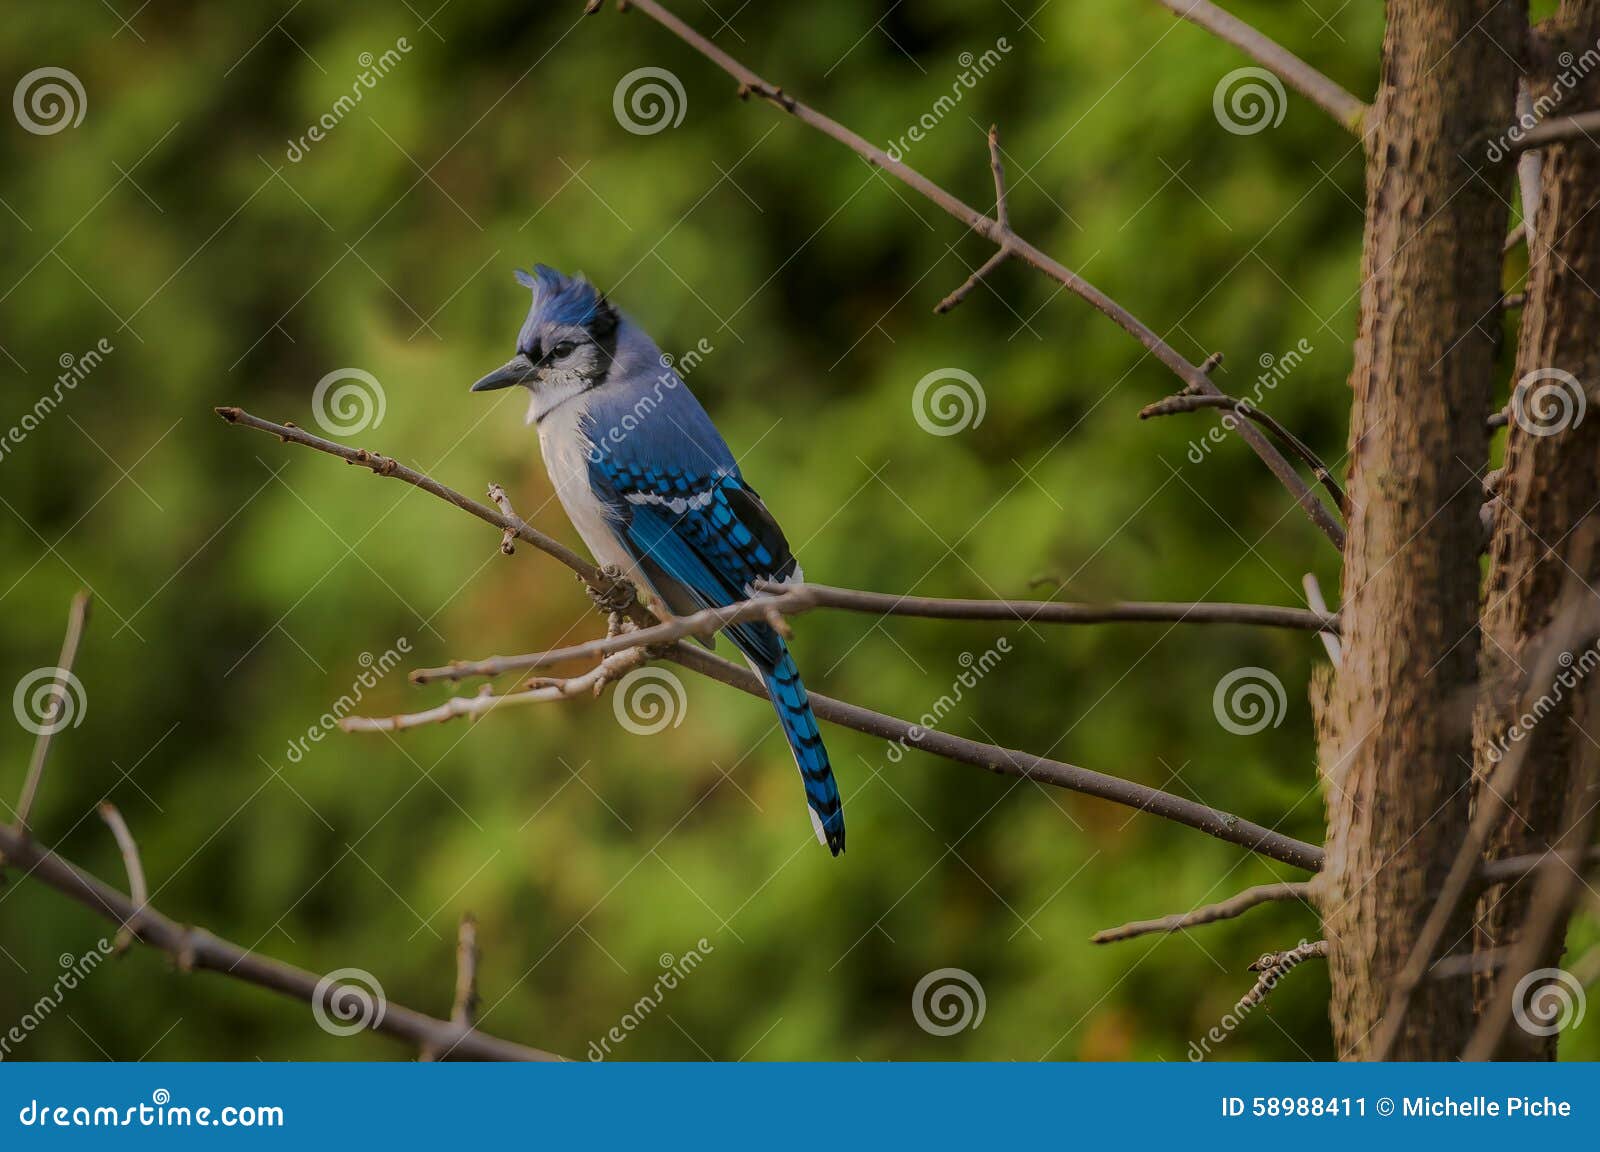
615	594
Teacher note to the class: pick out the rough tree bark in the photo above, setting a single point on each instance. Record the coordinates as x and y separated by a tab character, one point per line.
1550	483
1396	731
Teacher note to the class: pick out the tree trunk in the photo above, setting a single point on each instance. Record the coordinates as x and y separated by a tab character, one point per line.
1550	483
1396	732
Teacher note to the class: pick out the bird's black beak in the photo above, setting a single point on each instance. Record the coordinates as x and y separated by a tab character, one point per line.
517	370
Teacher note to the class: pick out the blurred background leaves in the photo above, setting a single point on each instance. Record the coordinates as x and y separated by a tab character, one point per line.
228	259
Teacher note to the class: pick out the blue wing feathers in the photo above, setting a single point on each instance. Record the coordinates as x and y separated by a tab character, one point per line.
697	523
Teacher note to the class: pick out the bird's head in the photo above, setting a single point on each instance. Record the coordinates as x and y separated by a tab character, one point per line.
566	345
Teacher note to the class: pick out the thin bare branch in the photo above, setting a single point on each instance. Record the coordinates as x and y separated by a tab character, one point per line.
1010	762
600	582
1191	374
196	949
1274	966
1329	636
1558	130
1189	403
1223	825
464	1009
60	696
971	282
501	501
591	682
795	599
1002	213
1227	909
1295	72
138	892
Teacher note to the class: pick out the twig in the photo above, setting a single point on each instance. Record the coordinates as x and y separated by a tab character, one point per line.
796	599
501	501
1509	302
77	616
464	1009
1189	403
138	892
1571	626
1530	170
1209	914
1503	871
1557	130
1329	637
1304	79
1003	218
591	682
1010	762
195	948
1223	825
600	582
1274	966
751	84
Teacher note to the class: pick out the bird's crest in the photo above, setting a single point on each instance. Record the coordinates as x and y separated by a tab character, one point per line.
564	300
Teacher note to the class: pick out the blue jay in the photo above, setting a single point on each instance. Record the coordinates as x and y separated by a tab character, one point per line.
652	488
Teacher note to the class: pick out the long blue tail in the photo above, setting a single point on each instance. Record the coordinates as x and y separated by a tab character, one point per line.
800	726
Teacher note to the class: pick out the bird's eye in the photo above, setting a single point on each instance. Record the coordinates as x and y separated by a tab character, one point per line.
562	350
